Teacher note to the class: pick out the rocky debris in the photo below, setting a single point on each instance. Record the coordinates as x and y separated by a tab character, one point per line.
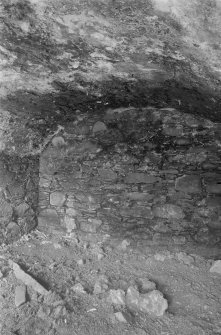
116	297
152	303
27	279
216	267
20	295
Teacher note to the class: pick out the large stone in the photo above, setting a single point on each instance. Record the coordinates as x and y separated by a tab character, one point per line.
140	178
57	199
168	211
189	184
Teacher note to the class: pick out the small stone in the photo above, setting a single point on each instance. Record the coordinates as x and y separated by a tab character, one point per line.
160	257
99	127
216	267
173	131
69	223
138	196
78	288
213	188
1	274
101	285
71	212
116	297
58	141
183	141
140	178
168	211
20	295
146	285
119	316
81	262
186	259
123	245
179	239
57	199
107	174
28	280
153	303
189	184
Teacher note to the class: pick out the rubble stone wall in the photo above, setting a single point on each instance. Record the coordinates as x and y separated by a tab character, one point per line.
145	173
18	196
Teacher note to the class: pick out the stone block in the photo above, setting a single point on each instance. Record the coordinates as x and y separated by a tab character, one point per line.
189	184
168	211
57	199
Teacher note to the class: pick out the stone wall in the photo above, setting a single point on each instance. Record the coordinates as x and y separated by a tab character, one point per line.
18	196
145	173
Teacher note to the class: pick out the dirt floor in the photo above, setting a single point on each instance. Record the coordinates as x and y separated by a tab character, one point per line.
79	274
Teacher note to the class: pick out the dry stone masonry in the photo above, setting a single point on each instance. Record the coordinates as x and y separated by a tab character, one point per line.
147	174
